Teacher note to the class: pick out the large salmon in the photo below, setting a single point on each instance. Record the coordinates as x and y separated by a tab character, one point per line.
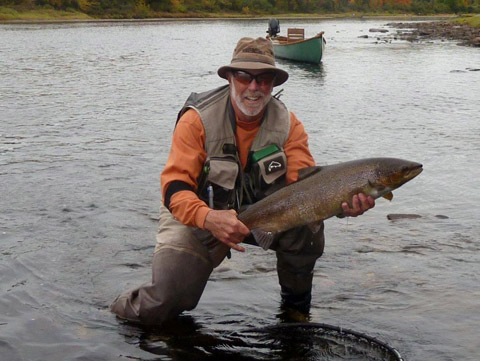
320	191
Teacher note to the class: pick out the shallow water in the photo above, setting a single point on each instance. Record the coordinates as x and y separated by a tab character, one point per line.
87	112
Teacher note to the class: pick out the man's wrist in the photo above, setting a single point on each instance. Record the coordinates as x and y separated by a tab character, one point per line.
200	216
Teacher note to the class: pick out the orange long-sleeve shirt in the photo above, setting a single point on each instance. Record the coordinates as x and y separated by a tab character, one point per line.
187	156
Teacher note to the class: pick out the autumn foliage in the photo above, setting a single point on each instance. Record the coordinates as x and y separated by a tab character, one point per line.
156	8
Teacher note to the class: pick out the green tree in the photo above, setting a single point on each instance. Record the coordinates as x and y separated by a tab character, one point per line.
160	5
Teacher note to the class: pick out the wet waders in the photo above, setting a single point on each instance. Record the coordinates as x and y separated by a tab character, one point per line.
182	265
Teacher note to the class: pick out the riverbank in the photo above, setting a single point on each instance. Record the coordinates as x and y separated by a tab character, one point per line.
43	15
8	14
464	30
279	17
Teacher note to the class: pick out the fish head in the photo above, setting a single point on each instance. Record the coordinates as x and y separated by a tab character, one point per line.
392	173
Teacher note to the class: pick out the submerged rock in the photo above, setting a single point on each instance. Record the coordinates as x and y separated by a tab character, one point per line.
378	30
395	216
475	41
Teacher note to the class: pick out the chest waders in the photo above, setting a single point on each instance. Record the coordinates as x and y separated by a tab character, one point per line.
182	261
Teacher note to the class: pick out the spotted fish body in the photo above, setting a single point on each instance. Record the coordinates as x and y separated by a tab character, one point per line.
320	191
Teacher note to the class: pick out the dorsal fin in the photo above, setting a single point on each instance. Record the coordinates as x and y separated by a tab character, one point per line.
307	172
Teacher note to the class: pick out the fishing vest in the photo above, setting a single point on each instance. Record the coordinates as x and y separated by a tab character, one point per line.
223	183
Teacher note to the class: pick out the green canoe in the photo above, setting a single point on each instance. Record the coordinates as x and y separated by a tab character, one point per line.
305	50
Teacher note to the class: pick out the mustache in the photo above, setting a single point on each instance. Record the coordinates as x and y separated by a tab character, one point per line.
253	94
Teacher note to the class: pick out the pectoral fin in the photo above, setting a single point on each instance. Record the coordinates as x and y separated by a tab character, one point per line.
264	239
388	196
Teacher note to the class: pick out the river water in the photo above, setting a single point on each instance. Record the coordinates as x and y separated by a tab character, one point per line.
87	112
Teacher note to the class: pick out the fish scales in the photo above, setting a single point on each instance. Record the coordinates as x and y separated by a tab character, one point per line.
319	194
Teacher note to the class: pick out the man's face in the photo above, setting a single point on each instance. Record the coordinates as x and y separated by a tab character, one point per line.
250	92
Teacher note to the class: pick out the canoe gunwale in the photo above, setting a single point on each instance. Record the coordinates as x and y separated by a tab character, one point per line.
282	40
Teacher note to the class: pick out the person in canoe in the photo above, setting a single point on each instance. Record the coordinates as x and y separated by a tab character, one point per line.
231	147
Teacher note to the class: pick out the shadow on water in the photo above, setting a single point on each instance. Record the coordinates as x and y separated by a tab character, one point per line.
183	339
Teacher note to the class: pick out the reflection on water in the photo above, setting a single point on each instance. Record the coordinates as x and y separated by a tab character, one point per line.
316	71
87	112
183	339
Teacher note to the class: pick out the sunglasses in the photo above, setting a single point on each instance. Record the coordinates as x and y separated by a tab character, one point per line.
262	79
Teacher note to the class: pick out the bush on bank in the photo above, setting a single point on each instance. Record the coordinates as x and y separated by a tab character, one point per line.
128	9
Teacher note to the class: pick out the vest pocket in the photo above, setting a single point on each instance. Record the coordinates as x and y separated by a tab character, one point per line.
222	173
273	167
266	175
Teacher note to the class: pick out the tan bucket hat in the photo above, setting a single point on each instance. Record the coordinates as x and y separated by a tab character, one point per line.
254	54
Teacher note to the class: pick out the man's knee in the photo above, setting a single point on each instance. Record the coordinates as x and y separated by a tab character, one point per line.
296	258
179	277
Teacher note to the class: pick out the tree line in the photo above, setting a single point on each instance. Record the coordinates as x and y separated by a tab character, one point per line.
156	8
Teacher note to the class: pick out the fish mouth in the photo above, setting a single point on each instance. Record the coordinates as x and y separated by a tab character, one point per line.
414	171
405	174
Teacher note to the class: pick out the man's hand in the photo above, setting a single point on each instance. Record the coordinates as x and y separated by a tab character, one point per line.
360	204
226	227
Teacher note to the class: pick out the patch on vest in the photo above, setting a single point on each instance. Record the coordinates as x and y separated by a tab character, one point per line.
274	165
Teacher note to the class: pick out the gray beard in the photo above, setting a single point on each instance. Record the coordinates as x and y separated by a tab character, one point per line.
252	112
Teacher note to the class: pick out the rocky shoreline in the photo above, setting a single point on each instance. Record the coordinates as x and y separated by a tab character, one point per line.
465	34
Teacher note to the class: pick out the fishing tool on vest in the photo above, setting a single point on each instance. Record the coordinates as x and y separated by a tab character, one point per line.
278	94
210	196
202	179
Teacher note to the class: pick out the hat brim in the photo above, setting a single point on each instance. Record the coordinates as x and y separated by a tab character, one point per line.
281	76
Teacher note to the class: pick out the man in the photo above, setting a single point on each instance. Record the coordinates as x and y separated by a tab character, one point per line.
223	142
